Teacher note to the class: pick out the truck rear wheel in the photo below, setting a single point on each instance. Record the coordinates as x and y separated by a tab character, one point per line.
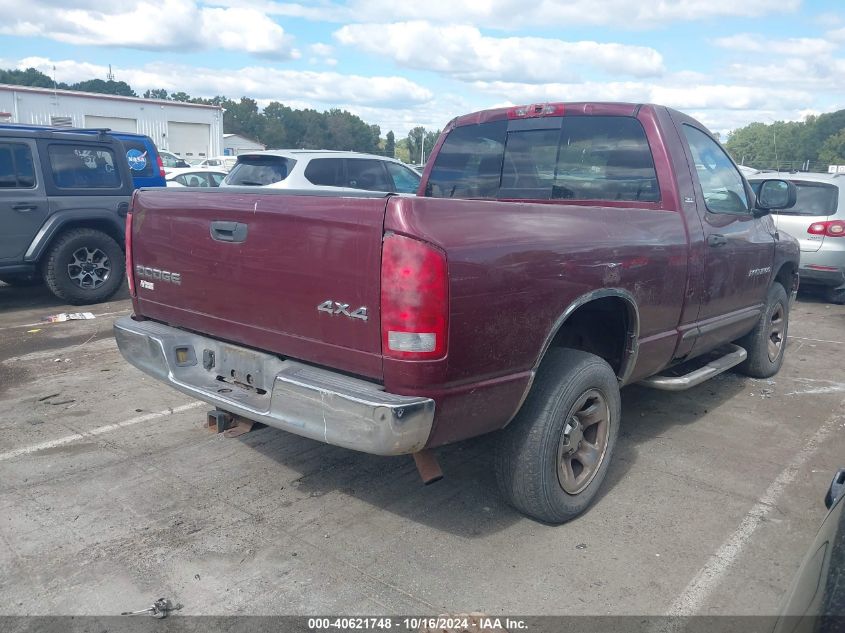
766	343
552	458
84	266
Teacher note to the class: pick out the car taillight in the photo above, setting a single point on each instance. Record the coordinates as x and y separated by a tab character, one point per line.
160	166
414	299
128	245
832	228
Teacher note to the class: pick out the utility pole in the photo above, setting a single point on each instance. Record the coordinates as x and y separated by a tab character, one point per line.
422	146
775	141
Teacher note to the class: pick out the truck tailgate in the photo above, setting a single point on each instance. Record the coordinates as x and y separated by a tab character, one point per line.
254	267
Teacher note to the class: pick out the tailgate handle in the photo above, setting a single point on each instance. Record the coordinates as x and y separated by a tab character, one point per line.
228	231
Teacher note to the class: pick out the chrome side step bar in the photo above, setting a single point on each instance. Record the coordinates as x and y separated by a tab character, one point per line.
715	367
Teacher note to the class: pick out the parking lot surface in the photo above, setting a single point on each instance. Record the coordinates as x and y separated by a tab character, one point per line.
112	494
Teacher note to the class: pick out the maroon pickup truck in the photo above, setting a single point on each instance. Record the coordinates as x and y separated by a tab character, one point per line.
554	253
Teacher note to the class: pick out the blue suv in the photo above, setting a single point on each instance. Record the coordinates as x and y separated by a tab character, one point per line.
142	156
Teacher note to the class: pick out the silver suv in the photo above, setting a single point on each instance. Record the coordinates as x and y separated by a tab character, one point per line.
322	169
817	221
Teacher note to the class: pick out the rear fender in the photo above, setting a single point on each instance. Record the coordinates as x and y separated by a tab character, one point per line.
631	346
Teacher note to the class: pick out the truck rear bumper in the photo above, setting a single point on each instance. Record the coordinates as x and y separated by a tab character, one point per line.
292	396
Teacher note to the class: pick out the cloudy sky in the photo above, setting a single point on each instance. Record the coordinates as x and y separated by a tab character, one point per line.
404	63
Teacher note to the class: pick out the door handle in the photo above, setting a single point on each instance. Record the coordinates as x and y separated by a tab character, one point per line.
228	231
24	206
714	239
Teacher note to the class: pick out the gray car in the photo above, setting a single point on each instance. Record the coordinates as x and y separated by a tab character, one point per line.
64	196
817	221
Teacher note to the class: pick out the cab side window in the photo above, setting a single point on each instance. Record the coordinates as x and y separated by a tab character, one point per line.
16	167
721	183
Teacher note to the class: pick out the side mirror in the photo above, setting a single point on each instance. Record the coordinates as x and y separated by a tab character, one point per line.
836	490
776	194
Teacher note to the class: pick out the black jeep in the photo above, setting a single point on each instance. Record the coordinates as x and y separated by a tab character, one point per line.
64	196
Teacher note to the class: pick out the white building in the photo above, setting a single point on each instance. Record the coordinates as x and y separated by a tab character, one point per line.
187	129
234	144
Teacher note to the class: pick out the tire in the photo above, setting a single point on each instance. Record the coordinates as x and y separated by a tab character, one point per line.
22	280
766	343
84	266
533	450
835	295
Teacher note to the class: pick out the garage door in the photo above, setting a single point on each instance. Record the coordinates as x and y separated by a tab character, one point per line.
118	124
189	140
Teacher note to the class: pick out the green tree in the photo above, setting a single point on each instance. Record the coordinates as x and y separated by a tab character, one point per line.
402	152
833	149
105	87
390	145
420	143
242	117
29	77
180	96
157	93
786	144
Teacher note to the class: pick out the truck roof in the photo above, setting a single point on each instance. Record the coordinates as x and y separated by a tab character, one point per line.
556	108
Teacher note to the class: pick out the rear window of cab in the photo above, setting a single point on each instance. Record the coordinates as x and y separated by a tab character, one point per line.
556	158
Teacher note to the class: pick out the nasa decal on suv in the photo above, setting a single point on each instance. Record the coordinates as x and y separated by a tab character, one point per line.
137	160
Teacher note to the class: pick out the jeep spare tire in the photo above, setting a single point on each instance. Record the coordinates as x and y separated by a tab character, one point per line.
84	266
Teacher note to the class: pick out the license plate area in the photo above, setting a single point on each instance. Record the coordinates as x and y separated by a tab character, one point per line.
241	368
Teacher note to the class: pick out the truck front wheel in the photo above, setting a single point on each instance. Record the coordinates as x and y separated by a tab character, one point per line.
552	458
84	266
766	343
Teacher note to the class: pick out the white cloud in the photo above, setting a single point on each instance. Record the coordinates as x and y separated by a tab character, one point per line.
173	25
837	35
322	54
681	95
462	51
507	14
722	107
326	89
797	46
818	75
323	50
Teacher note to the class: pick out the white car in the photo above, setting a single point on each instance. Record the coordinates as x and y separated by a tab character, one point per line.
221	162
322	169
171	161
195	177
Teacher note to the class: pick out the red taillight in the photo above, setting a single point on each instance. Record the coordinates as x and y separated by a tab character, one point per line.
832	228
160	166
128	245
535	110
414	299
